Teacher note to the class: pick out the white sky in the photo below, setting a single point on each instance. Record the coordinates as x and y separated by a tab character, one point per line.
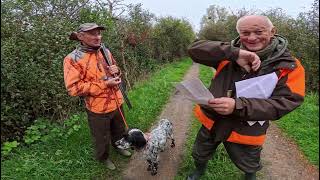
193	10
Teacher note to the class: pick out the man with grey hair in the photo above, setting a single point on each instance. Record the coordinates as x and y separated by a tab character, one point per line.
86	74
238	121
266	20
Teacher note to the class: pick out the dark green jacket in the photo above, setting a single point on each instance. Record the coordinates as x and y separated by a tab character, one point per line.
287	95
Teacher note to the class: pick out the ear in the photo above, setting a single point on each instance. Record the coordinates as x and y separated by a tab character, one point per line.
129	139
79	36
273	31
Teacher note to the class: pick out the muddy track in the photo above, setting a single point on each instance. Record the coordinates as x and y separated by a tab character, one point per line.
282	159
179	111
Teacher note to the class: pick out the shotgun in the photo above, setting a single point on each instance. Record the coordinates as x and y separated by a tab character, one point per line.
105	54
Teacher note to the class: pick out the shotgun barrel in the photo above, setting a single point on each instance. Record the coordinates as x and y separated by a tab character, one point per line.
105	53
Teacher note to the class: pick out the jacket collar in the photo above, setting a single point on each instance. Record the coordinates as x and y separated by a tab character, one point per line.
276	54
87	49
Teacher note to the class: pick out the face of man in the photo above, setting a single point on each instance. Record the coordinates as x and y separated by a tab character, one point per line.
255	33
91	38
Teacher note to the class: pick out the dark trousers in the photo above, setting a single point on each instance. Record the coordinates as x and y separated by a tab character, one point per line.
245	157
105	129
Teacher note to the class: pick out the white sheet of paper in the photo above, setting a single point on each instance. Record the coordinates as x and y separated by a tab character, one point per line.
258	87
195	91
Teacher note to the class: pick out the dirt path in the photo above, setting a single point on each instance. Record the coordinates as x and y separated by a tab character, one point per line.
282	159
179	111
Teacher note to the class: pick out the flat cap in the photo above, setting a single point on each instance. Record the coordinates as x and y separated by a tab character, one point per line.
83	28
89	26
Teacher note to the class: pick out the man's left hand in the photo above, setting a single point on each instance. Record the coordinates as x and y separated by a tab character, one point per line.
223	105
113	69
248	60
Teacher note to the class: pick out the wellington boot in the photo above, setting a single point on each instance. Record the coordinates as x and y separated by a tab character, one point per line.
109	164
124	152
250	176
198	172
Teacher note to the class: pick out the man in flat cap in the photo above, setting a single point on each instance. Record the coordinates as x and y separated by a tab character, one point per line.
87	75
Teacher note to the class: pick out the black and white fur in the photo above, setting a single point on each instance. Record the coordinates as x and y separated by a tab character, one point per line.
153	145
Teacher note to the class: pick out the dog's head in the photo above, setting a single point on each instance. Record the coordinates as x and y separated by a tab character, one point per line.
134	138
166	125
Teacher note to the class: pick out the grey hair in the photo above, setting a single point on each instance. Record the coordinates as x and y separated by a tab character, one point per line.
265	18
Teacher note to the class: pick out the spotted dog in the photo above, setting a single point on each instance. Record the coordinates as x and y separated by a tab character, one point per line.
152	143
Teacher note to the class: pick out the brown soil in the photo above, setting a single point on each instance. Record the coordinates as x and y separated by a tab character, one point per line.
281	158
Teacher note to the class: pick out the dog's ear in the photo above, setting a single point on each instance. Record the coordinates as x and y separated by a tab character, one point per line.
126	134
138	140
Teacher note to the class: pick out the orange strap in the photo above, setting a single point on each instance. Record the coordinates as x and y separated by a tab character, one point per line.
234	136
118	106
207	122
245	139
221	66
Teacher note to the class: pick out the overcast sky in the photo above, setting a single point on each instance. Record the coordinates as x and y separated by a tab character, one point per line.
193	10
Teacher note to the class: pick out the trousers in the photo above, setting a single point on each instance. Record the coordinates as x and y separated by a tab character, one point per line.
105	129
245	157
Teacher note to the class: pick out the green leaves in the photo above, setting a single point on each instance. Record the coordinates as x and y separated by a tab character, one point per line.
172	37
8	146
42	131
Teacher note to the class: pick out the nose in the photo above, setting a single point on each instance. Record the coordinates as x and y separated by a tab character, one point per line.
98	37
252	37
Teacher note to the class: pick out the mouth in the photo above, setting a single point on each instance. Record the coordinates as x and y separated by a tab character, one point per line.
252	44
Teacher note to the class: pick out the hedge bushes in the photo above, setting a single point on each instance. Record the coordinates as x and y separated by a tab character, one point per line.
34	42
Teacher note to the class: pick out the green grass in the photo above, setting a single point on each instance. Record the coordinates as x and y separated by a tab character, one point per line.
220	167
149	97
72	157
302	125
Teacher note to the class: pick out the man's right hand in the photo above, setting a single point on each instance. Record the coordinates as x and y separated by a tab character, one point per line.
248	60
113	81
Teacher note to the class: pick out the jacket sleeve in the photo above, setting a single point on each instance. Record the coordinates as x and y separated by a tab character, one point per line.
288	95
211	53
74	80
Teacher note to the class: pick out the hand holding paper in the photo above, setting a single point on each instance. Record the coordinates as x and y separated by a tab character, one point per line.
195	91
223	105
259	87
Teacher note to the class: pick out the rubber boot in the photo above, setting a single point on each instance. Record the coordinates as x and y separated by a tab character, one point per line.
198	172
250	176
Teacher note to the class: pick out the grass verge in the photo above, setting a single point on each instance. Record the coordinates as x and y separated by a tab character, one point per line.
72	157
302	125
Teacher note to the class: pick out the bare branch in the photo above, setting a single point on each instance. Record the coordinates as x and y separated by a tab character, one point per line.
71	14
